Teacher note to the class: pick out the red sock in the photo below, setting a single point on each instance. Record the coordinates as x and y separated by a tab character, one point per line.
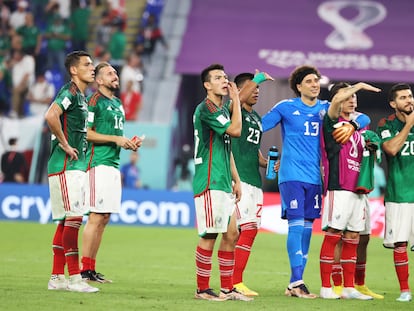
360	273
337	274
401	267
242	250
86	263
226	267
59	259
70	244
348	260
326	257
93	264
203	268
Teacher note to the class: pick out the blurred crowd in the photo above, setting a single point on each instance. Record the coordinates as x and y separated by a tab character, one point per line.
36	35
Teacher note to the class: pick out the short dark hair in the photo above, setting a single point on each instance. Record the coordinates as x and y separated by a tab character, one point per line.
336	87
100	66
392	94
243	77
73	58
297	76
205	74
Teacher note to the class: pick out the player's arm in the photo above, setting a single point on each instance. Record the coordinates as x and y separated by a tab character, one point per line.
236	178
394	145
52	118
272	118
344	93
234	129
249	87
262	159
121	141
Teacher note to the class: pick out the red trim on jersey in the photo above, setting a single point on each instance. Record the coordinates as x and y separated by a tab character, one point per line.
64	191
238	215
210	158
259	210
91	157
73	89
65	132
330	205
211	106
92	193
208	209
94	99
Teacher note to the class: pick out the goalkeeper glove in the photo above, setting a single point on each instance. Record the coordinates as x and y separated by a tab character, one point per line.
343	131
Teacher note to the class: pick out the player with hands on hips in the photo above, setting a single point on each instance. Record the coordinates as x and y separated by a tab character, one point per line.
67	171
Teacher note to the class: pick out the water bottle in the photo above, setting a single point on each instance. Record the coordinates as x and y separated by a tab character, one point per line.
272	157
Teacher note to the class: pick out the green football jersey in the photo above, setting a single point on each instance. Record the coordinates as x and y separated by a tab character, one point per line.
246	148
400	179
211	148
106	116
74	120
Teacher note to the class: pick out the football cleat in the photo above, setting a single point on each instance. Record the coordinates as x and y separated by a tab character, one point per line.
241	288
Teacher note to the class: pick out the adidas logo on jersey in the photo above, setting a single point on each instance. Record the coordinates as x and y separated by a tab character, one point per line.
296	113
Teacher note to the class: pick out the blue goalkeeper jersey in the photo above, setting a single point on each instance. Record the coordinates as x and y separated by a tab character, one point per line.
300	125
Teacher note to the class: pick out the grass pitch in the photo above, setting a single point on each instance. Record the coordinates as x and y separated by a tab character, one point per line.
154	269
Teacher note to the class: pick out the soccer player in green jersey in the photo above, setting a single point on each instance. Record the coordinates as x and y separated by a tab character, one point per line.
216	183
248	159
397	141
106	137
216	179
67	119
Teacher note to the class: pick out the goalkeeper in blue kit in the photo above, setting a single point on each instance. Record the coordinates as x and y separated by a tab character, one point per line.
300	183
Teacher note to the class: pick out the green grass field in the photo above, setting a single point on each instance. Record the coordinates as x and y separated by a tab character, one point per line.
153	269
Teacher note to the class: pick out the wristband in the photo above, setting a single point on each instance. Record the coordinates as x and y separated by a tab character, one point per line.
354	124
259	78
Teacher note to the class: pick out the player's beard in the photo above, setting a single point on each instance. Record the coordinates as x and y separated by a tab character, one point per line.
406	110
112	87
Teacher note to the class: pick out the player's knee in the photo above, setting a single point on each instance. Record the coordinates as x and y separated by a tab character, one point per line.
210	236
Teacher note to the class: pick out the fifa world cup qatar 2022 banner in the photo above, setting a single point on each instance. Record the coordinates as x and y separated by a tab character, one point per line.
363	40
150	208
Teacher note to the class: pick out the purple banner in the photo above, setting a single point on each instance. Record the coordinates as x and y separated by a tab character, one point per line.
346	39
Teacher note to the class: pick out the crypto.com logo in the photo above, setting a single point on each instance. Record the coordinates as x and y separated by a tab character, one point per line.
349	33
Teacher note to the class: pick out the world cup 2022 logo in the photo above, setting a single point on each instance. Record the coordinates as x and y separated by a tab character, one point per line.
348	33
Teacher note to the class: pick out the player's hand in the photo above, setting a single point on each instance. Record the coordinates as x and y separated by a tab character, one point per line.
276	167
233	91
137	140
409	116
125	143
265	74
237	191
71	152
371	146
368	87
343	131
